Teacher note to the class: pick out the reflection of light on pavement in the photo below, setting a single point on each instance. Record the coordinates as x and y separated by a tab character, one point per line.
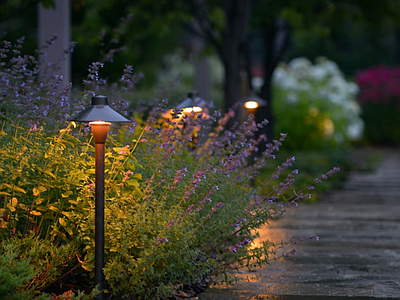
273	234
271	279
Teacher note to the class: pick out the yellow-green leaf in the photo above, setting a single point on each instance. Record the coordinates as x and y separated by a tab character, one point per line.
62	222
12	187
67	214
26	140
53	208
87	266
66	194
69	230
39	190
49	173
38	201
138	176
36	192
5	194
3	224
14	202
35	213
18	127
132	182
24	207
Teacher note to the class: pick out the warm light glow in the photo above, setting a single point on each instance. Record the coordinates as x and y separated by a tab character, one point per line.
99	122
329	127
187	110
313	111
195	109
73	124
168	114
251	104
100	130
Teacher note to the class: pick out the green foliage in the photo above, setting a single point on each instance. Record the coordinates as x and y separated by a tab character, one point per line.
382	124
28	264
14	273
167	196
163	201
37	180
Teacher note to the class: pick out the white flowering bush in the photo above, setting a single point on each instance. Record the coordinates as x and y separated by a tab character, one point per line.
315	104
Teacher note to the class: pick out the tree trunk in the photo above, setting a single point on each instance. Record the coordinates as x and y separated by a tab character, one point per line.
237	14
232	81
276	41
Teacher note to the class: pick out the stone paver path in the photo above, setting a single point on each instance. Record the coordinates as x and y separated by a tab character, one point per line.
358	253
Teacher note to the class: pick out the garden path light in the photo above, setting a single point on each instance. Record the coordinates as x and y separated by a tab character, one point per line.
192	103
190	108
100	116
252	102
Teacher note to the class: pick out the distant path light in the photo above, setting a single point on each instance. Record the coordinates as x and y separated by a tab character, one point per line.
251	104
252	101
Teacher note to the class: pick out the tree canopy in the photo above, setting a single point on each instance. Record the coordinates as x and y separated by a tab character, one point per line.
155	28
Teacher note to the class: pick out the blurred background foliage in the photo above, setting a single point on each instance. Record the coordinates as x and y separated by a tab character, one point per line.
337	29
160	41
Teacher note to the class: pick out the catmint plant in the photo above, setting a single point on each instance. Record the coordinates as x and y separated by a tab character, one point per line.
168	195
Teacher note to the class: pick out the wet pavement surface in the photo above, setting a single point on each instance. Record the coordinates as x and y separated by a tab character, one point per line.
358	252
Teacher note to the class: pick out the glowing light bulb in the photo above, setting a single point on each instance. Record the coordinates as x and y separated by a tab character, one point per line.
197	109
99	122
251	104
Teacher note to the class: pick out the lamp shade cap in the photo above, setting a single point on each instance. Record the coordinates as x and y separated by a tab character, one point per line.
193	99
100	100
99	111
251	97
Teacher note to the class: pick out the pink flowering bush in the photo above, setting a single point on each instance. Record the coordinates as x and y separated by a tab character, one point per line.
379	85
178	213
380	99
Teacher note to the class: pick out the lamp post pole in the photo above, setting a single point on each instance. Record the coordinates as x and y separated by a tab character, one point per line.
100	131
252	103
99	115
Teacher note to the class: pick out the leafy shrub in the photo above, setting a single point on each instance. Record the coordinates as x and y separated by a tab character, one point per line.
380	100
315	105
167	196
29	264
